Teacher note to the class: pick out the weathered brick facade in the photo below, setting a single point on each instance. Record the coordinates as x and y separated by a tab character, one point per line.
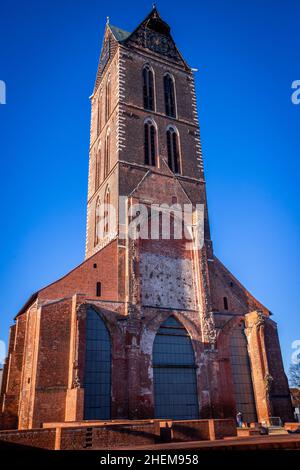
142	282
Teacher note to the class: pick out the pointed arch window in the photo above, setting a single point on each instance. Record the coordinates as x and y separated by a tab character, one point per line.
97	222
107	99
98	168
169	91
106	211
148	88
97	374
99	123
241	374
107	155
174	367
150	143
173	150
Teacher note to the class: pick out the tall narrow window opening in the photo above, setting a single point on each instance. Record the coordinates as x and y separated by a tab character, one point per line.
98	289
97	374
148	88
97	222
169	91
173	150
98	168
241	371
107	99
150	143
107	155
99	123
106	211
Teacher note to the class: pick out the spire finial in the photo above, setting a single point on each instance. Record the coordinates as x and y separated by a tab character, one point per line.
107	20
153	6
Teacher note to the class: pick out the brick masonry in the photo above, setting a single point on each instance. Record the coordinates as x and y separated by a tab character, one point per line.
142	282
80	437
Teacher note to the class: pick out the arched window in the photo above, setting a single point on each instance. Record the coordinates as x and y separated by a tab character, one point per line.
106	211
99	123
150	143
98	168
97	374
175	385
169	90
241	372
107	99
98	289
107	155
97	222
148	88
173	150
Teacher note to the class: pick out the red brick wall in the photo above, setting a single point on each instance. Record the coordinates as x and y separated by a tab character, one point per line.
97	143
52	363
6	367
84	277
109	436
224	428
186	123
126	124
8	421
190	430
42	438
13	372
280	393
42	373
118	435
28	368
224	284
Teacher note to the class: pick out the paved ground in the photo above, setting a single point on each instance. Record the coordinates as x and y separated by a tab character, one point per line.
239	443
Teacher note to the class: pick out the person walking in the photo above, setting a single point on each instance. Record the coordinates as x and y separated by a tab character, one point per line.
239	419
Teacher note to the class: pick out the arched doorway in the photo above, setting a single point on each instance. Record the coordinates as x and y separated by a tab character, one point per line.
241	372
175	385
97	377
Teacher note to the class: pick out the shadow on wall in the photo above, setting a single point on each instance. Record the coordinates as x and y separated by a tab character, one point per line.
13	446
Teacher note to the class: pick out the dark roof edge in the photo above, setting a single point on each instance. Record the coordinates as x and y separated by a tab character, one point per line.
34	296
260	304
154	9
27	304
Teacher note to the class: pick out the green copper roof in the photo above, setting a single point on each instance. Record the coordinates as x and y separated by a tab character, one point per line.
119	33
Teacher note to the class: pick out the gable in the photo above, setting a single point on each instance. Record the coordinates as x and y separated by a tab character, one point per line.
109	47
161	44
153	34
223	283
150	188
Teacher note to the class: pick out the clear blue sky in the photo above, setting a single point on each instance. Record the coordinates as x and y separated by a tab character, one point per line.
247	53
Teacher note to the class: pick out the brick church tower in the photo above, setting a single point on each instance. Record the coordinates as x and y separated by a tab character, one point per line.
146	326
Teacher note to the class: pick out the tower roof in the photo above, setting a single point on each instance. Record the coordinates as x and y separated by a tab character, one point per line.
118	33
152	21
